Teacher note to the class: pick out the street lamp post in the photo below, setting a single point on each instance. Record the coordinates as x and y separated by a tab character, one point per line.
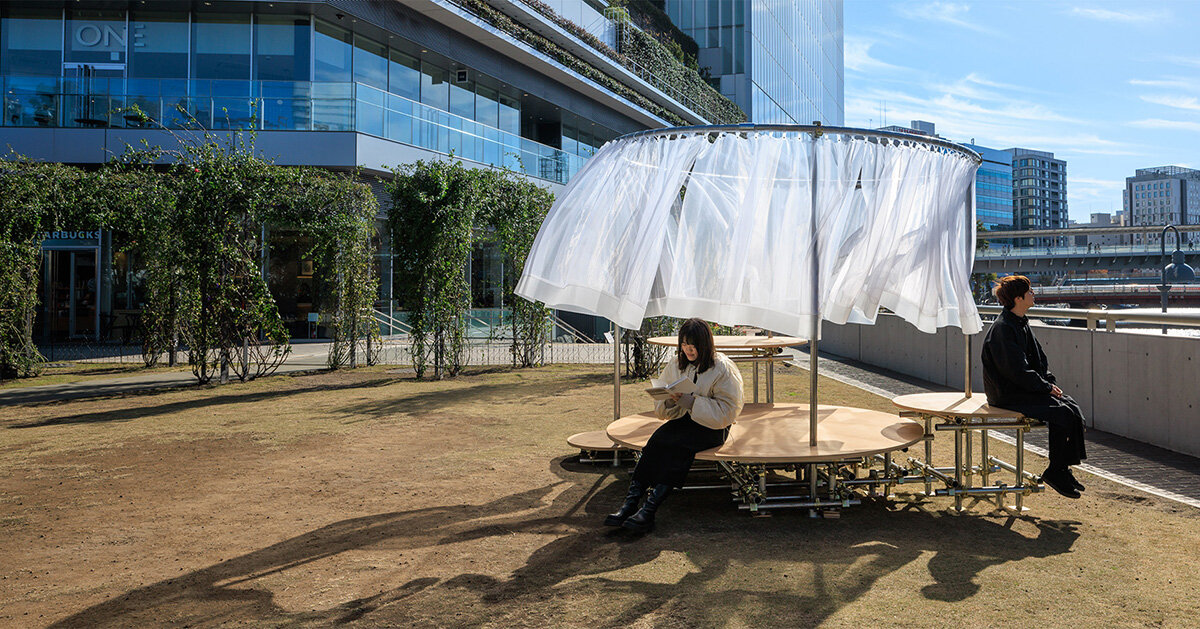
1178	271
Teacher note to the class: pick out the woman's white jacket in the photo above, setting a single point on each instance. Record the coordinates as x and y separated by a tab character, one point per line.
718	393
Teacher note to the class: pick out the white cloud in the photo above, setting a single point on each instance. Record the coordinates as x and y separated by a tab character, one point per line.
1108	15
1189	84
954	14
1172	125
1178	102
1185	61
858	57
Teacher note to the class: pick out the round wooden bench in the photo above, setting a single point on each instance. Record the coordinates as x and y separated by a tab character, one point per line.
592	442
965	415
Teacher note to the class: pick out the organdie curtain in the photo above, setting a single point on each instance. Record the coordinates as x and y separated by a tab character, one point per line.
721	226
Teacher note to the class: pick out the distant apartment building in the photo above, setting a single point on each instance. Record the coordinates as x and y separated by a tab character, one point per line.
781	62
1039	192
1165	195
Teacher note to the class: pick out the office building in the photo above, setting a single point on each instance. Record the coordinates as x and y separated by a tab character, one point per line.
780	61
335	84
993	188
1165	195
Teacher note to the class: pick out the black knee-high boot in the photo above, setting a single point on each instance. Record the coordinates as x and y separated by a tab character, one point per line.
643	520
636	490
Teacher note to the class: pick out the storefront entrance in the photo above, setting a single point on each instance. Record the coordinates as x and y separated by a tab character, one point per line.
68	309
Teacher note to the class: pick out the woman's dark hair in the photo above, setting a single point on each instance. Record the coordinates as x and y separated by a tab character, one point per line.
695	332
1009	288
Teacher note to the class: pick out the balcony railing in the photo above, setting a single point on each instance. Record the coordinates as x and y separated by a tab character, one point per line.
274	105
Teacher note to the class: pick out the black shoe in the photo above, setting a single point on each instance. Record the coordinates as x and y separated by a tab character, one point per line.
636	490
1060	481
643	520
1075	481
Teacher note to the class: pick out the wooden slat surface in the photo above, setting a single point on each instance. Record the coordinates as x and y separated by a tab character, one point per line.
737	342
778	433
952	405
592	440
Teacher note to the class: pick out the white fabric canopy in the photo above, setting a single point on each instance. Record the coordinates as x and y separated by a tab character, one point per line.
722	226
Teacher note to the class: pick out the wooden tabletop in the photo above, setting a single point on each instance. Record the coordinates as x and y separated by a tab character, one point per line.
951	405
737	342
778	433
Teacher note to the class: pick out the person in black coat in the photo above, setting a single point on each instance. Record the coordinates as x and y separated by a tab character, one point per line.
1016	376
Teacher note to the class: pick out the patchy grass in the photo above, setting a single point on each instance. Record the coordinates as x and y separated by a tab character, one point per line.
368	498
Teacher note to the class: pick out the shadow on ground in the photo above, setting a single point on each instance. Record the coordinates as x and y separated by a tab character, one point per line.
584	575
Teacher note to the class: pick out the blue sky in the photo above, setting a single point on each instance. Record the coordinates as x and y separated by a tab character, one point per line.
1108	86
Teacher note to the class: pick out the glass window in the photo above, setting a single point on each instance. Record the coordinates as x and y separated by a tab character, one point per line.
32	42
435	88
462	94
332	54
370	63
95	37
159	46
487	106
510	114
404	75
221	46
281	46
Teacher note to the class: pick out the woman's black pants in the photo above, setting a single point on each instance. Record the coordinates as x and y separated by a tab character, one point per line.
669	453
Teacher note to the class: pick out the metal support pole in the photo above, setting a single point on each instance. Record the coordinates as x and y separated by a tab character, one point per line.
928	451
616	371
958	469
755	381
816	304
967	365
970	246
1020	468
967	466
984	459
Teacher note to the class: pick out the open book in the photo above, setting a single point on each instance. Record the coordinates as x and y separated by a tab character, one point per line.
660	390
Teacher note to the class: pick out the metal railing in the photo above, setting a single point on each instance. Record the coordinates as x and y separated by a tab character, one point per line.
53	102
1093	317
1002	251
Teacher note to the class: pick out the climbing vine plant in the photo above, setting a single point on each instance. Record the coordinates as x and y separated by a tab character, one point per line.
515	207
199	224
204	248
437	208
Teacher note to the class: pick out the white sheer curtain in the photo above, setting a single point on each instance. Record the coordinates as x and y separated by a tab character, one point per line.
723	228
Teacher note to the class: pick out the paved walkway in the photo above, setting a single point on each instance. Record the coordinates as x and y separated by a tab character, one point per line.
1149	468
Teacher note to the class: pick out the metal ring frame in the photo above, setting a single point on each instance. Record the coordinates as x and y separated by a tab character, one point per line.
817	129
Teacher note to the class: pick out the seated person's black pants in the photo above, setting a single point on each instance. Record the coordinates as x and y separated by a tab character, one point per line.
669	453
1064	420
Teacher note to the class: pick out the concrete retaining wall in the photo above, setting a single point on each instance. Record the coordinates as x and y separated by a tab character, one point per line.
1141	386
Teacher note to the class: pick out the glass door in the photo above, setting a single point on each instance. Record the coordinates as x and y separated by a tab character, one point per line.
69	291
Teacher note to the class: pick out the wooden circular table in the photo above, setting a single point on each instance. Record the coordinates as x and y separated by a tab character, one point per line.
952	405
752	349
778	433
737	342
965	415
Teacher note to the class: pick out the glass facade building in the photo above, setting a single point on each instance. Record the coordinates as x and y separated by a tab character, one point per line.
993	188
335	84
78	68
781	61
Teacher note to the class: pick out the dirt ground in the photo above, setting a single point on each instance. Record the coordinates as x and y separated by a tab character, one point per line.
369	499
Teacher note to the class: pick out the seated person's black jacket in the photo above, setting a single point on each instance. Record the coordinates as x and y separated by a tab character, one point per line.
1015	369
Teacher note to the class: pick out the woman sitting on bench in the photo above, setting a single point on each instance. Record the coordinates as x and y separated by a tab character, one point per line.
695	422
